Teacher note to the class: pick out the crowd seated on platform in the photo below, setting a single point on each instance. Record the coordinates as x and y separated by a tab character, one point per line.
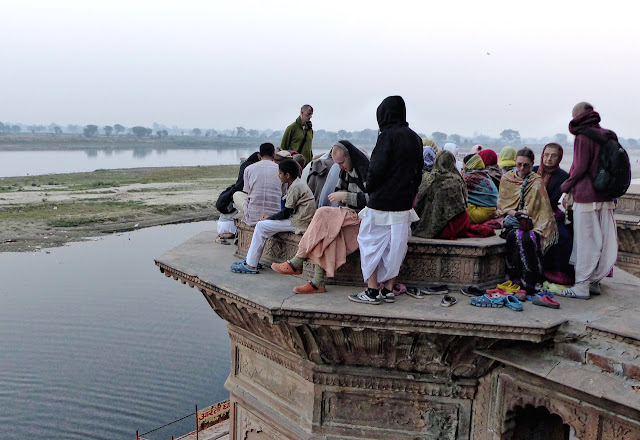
529	225
333	232
378	203
441	203
482	192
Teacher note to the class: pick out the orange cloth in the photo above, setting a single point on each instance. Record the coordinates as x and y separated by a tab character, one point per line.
330	237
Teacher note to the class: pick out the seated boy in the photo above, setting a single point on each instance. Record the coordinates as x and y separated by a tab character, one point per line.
295	217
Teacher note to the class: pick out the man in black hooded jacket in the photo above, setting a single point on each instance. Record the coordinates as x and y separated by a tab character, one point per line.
393	178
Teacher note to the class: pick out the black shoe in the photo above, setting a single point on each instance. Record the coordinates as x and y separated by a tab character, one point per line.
472	291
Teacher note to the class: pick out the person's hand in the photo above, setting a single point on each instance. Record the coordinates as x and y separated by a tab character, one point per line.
338	196
264	217
512	212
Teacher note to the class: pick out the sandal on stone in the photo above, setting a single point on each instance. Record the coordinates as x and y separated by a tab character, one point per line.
448	301
221	240
486	301
308	288
285	268
472	291
399	289
435	290
545	301
415	292
513	303
242	268
508	286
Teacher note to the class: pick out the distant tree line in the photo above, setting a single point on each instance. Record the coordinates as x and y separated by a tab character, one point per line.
367	136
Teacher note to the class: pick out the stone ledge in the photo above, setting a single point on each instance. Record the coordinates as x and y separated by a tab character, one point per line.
463	262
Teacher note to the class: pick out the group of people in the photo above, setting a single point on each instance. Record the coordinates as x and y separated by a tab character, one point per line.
556	226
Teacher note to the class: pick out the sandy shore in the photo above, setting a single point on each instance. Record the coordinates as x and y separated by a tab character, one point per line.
158	204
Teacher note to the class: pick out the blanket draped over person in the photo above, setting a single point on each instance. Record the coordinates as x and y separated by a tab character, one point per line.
329	245
441	196
553	177
318	172
480	187
441	203
536	204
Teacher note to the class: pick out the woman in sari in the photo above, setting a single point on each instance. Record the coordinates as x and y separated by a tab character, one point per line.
482	192
530	225
442	203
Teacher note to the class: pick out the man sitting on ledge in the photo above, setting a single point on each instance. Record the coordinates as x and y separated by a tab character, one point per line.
298	211
333	232
262	190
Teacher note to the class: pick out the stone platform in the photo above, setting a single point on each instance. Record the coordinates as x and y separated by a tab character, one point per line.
463	262
322	367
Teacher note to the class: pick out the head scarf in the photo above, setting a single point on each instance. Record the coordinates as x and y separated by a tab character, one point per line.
507	158
476	149
429	155
452	148
426	142
441	197
546	172
474	163
536	204
489	157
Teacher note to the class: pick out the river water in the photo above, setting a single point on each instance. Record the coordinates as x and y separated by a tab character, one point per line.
30	163
95	343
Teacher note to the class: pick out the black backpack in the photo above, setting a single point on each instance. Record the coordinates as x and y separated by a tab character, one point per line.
614	169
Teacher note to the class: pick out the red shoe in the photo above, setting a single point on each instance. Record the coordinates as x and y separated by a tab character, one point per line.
285	268
308	288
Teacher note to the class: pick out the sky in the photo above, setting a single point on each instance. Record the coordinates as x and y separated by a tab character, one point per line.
464	67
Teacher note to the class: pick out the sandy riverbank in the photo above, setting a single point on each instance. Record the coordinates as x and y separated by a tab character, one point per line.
35	217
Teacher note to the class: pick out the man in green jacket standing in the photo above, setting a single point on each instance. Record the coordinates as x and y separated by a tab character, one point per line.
299	135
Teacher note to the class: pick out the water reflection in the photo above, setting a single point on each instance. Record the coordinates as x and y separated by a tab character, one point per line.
23	163
96	343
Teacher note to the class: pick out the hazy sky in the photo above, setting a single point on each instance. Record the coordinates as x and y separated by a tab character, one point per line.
465	67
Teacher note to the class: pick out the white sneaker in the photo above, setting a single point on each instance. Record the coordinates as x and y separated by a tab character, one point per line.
388	298
574	292
363	297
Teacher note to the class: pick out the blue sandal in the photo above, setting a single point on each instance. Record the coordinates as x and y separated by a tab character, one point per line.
513	303
487	301
241	267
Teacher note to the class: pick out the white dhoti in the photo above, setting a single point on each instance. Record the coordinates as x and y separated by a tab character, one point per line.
595	242
263	230
383	241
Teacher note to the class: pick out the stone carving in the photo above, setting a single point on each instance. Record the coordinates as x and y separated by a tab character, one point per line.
449	356
455	262
432	420
252	428
614	430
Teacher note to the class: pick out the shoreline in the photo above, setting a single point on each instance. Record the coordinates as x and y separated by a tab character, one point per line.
39	212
